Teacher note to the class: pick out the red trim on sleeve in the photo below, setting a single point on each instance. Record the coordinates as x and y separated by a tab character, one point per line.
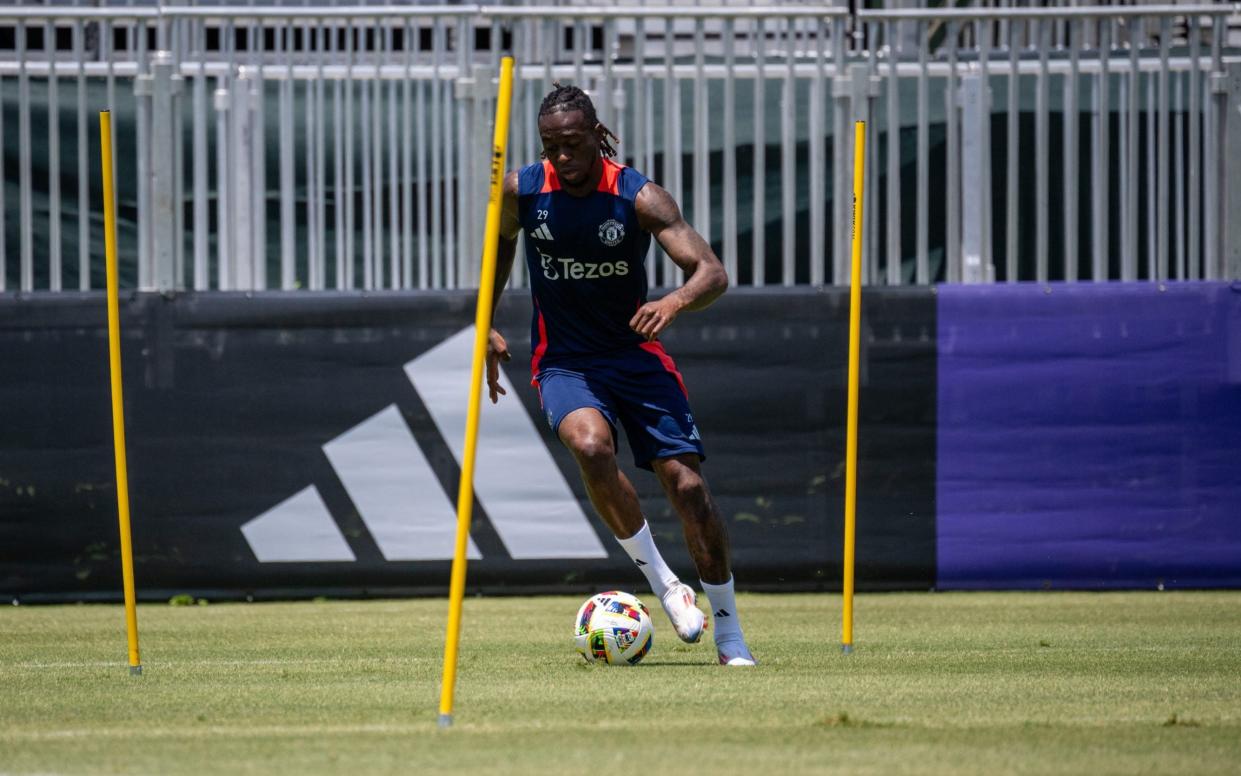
551	181
656	349
539	350
609	182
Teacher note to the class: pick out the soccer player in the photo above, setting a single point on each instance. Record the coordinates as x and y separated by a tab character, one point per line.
597	360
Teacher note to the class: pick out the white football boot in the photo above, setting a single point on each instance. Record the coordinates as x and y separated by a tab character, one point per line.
680	603
735	653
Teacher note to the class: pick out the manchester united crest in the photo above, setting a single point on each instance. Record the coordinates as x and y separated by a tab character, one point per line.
611	232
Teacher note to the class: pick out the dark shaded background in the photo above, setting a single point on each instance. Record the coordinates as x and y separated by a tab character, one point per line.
230	397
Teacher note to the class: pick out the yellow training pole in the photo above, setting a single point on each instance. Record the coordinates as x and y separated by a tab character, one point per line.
855	349
482	327
118	407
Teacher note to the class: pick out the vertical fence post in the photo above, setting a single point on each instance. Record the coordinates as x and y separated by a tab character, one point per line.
1100	180
952	186
472	92
974	192
55	258
1163	142
1042	129
1231	183
224	229
256	194
25	197
759	219
143	93
863	90
818	167
241	174
161	88
1216	114
199	134
851	90
1071	157
144	90
1195	150
891	34
1129	162
788	161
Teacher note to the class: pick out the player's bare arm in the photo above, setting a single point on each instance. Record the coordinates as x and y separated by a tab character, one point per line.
510	229
705	278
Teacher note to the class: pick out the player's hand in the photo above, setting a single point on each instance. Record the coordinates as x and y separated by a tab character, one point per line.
497	351
653	317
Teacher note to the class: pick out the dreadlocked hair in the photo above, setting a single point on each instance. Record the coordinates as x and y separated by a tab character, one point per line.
563	99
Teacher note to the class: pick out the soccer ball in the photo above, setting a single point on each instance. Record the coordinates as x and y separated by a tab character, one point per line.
613	628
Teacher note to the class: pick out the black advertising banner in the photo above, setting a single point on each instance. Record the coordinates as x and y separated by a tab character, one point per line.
304	444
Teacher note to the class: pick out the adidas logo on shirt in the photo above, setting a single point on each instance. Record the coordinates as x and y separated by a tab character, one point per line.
542	233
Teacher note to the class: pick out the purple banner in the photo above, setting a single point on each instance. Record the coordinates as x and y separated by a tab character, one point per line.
1089	436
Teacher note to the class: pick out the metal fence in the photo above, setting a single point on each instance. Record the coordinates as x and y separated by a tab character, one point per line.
346	147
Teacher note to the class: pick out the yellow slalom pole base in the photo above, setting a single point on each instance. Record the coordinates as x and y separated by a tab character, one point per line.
855	349
445	720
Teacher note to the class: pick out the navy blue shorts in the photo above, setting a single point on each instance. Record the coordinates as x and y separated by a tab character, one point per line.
641	388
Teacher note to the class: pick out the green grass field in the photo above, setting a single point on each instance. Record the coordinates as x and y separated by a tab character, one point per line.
958	682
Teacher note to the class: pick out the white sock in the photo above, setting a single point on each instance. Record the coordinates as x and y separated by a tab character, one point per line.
641	548
727	625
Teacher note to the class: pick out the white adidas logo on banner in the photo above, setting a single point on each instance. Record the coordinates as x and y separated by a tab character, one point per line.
399	498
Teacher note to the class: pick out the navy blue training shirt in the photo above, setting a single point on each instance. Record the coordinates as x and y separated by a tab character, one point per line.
586	261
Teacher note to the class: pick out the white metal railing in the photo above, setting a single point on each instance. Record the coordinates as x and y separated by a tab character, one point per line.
345	147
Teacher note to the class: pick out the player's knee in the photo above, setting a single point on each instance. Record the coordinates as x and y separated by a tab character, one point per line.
592	449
